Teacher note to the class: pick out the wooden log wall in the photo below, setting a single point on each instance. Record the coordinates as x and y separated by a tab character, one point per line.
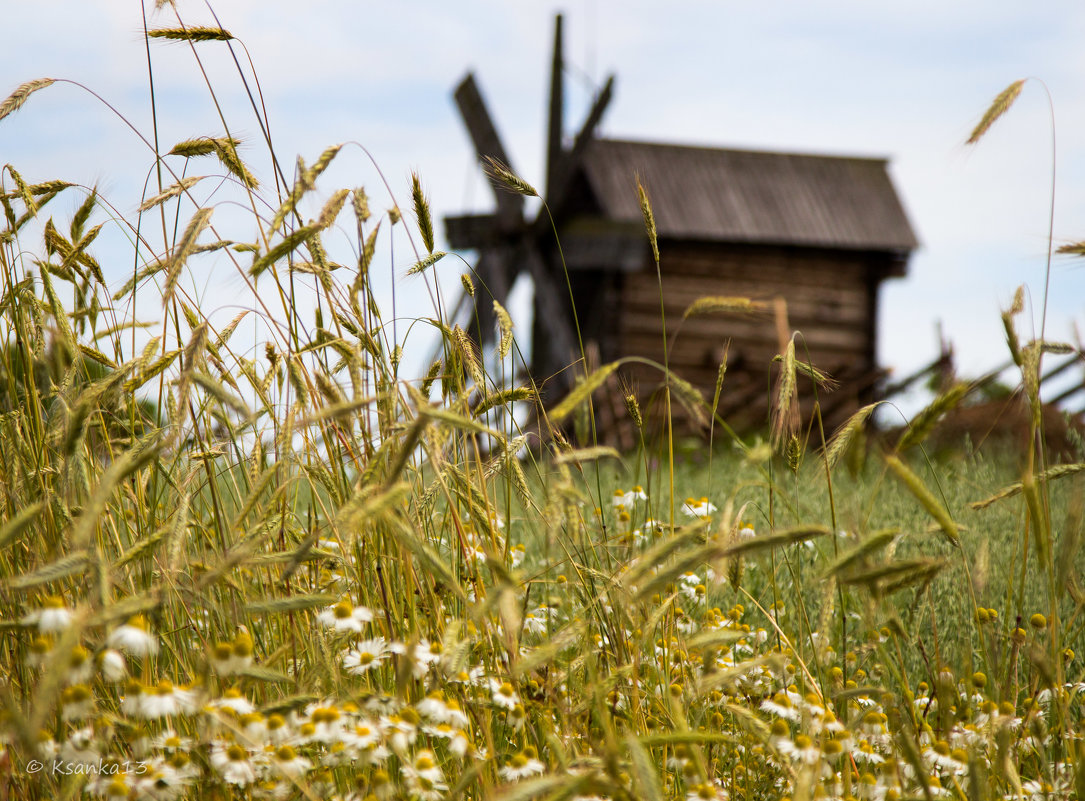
830	298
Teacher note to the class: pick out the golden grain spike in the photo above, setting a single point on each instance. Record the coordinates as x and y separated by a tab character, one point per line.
183	250
194	33
502	175
844	435
649	219
421	212
717	304
934	508
504	323
783	413
16	99
998	107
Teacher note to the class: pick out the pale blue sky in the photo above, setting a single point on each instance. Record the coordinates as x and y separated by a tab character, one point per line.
854	77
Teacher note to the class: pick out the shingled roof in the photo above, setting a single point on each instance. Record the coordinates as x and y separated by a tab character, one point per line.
702	193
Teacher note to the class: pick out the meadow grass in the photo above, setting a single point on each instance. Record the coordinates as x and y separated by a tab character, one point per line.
289	571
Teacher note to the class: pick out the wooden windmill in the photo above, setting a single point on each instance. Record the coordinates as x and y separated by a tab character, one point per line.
509	244
811	235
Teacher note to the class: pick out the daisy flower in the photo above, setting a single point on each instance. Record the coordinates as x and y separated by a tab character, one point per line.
112	666
344	616
233	764
80	666
423	655
233	700
287	762
698	508
366	655
53	617
134	638
523	765
504	695
76	702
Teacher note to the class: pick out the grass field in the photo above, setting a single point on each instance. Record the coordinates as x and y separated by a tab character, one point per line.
289	571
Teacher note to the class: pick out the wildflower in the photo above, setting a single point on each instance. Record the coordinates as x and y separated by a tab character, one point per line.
801	749
366	655
516	717
344	616
233	700
424	765
80	666
76	702
112	666
165	699
522	765
170	741
536	623
41	650
287	762
401	730
133	638
328	724
229	658
433	707
698	508
52	618
518	554
625	501
504	695
234	764
277	730
78	749
706	791
459	743
781	705
424	655
132	701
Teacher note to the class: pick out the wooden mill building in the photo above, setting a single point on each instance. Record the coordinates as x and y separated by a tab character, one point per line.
808	238
818	233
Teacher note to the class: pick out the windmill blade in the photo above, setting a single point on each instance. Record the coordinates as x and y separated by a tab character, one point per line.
554	346
492	278
483	134
556	191
557	109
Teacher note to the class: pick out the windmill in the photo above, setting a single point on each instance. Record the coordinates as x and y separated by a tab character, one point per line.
508	243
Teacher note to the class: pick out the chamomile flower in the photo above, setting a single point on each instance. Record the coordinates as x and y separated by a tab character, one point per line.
112	666
434	707
706	791
234	764
170	741
424	655
76	702
801	749
366	655
133	638
517	554
79	748
625	501
288	762
522	766
232	700
698	508
53	617
344	616
504	694
41	650
80	666
165	699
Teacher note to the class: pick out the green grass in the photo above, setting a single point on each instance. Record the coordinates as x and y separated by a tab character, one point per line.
290	571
